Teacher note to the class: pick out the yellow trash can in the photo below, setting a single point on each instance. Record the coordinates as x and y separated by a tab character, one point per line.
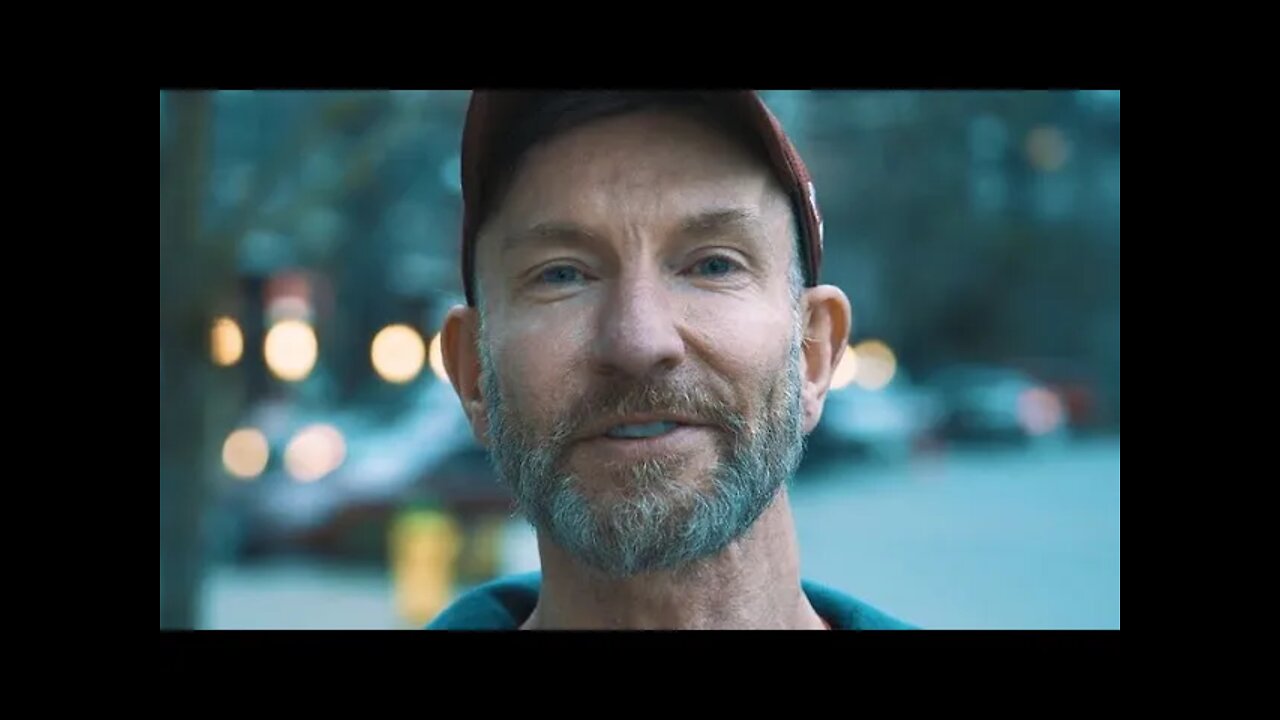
425	544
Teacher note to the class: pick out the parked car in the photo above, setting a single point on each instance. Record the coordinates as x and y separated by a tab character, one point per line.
991	403
366	471
888	424
1075	383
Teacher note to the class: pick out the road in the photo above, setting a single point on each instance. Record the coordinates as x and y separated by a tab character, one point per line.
978	540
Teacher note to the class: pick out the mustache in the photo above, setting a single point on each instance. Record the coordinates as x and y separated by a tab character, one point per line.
691	400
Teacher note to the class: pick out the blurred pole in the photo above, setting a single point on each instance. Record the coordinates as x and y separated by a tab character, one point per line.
257	377
194	271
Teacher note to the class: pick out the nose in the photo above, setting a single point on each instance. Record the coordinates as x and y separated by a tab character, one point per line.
639	334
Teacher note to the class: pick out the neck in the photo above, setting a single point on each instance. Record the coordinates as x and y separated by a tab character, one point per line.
753	584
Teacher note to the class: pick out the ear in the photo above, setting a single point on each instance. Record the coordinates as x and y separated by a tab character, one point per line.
826	336
459	346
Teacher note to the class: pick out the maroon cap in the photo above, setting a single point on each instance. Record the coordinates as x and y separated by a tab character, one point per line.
492	113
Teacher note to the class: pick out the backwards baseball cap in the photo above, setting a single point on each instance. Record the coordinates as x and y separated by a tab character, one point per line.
493	114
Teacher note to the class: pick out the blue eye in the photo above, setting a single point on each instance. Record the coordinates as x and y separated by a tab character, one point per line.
560	274
715	266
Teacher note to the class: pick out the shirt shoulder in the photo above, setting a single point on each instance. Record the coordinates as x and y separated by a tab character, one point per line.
846	612
501	604
505	603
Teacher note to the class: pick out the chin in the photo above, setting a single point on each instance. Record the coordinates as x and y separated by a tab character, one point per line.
667	477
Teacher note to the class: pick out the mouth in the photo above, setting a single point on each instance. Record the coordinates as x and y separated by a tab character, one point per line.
642	431
636	438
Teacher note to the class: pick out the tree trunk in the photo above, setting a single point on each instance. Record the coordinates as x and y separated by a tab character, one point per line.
192	273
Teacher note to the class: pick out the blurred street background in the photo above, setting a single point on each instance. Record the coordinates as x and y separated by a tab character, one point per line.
316	471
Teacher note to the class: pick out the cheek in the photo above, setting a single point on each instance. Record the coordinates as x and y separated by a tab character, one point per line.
540	363
747	344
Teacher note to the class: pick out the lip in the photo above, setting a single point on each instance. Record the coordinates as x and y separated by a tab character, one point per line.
684	438
598	430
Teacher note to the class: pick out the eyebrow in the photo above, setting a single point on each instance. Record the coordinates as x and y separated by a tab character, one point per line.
551	231
720	221
710	223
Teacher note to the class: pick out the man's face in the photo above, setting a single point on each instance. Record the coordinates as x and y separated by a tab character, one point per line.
640	344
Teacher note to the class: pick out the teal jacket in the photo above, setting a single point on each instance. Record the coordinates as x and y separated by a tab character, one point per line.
505	603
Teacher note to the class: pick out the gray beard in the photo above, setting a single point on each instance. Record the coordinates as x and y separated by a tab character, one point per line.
659	522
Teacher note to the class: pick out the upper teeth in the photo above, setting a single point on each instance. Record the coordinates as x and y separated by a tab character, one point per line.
646	430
